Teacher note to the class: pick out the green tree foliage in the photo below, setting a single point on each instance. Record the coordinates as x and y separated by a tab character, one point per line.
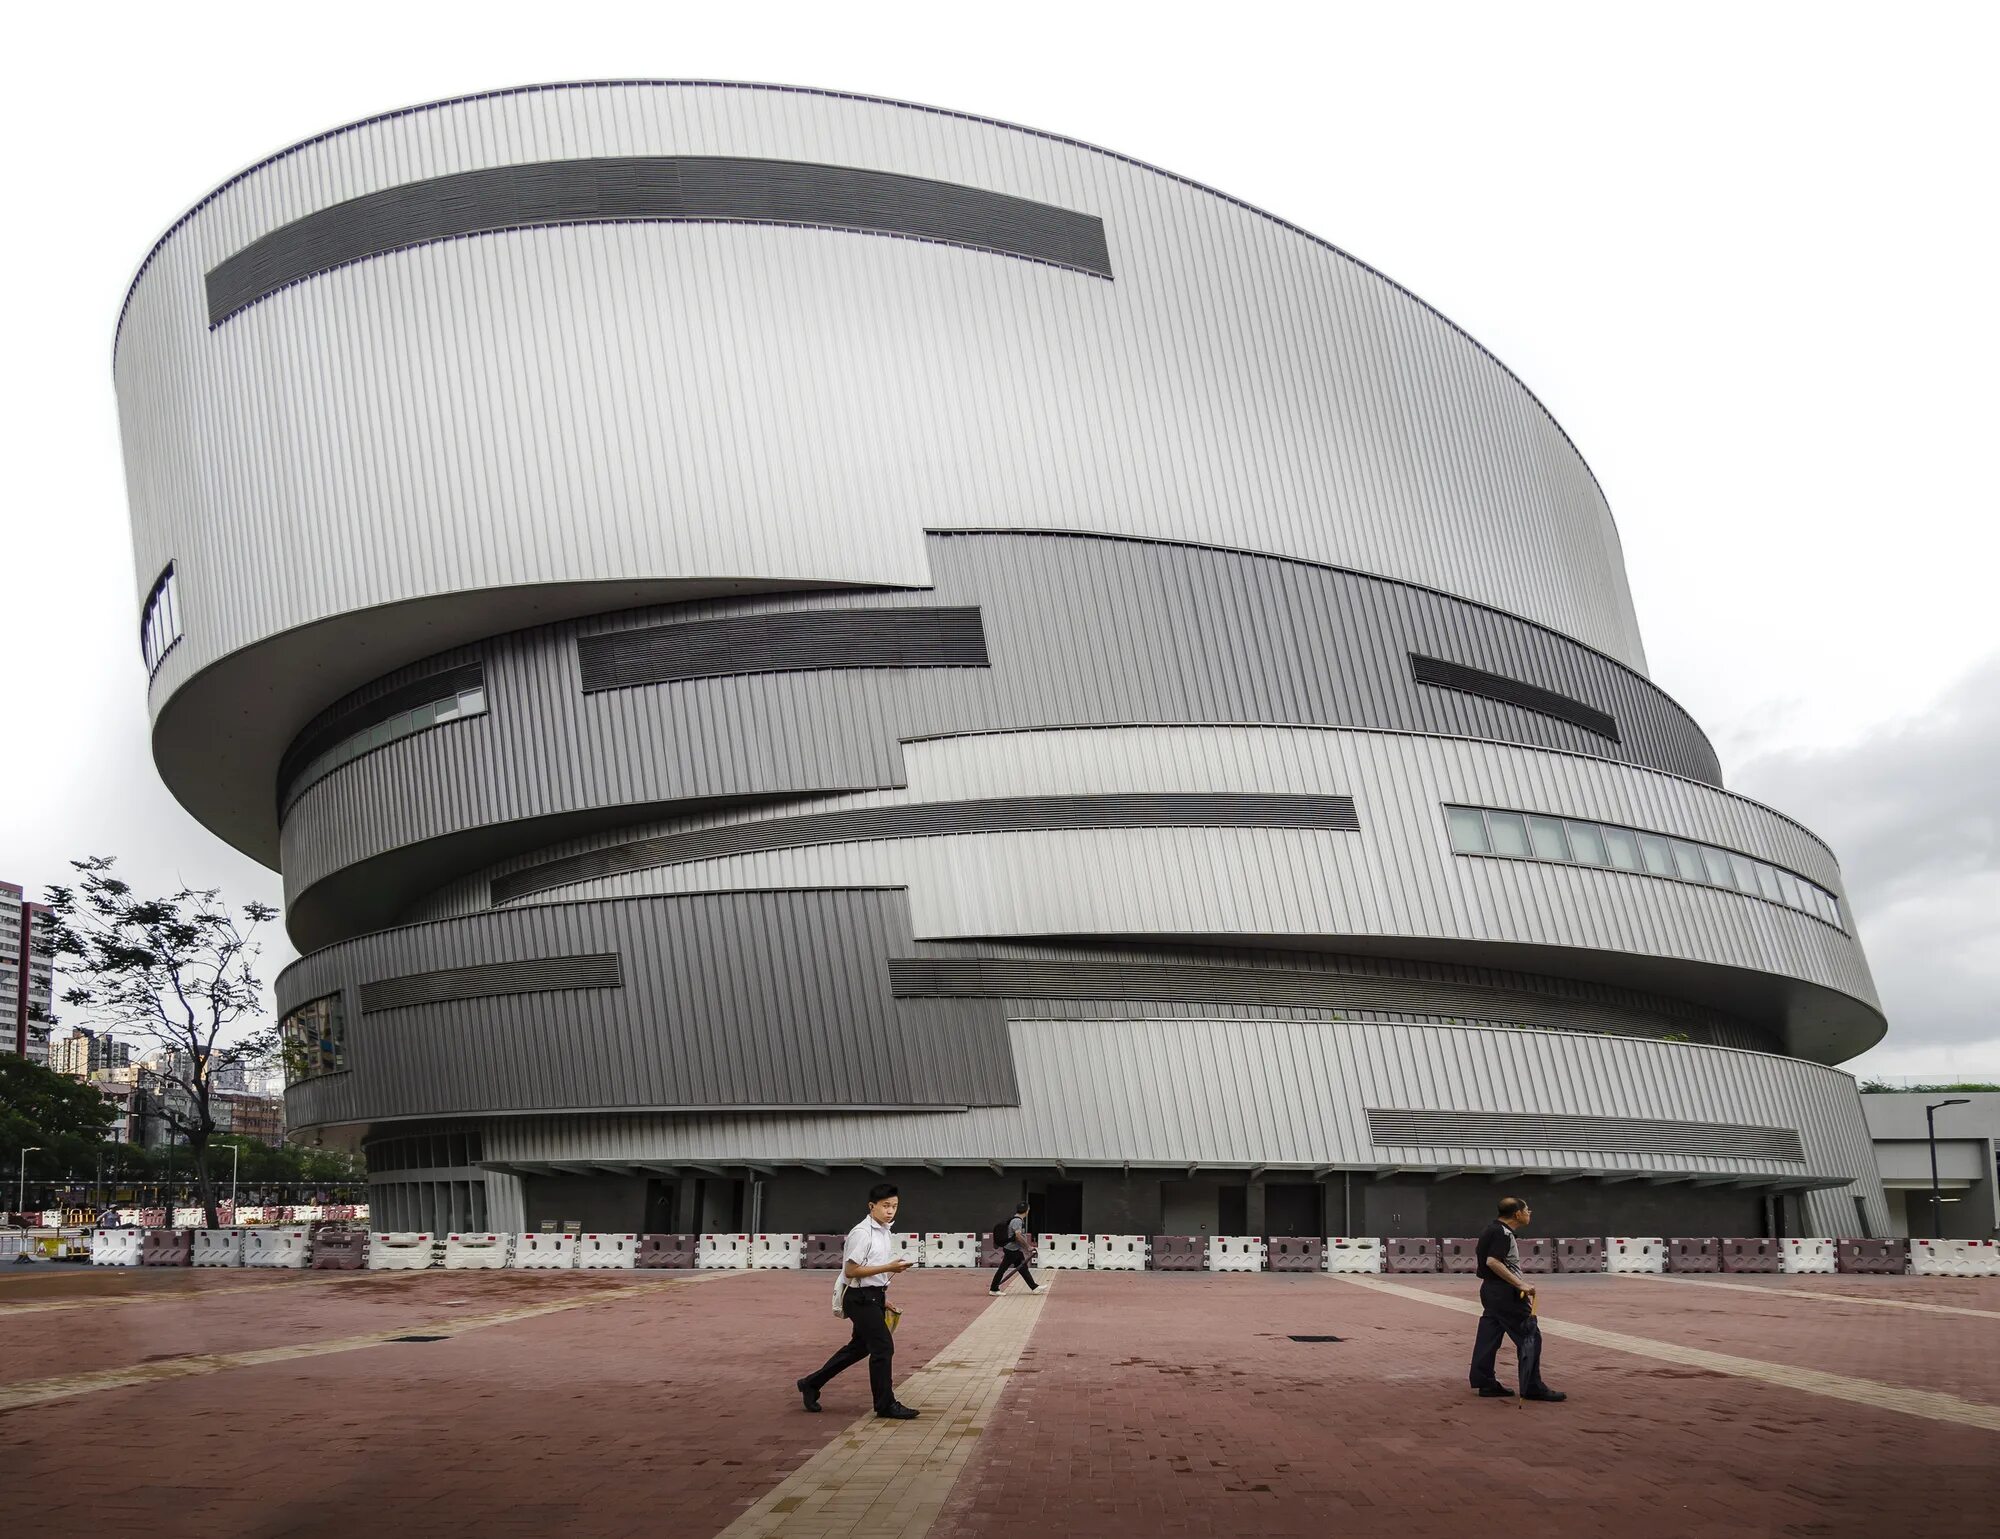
176	973
1877	1087
64	1119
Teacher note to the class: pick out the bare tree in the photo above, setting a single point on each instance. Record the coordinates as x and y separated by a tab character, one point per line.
174	973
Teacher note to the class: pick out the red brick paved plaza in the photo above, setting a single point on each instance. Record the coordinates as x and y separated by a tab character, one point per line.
1155	1404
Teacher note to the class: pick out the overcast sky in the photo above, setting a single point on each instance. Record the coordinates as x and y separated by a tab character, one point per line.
1745	255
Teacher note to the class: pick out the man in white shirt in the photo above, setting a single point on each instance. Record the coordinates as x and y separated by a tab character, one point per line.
861	1295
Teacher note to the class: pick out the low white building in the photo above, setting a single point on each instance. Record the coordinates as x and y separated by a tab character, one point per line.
1967	1180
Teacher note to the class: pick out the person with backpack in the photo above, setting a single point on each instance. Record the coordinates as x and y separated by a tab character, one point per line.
1011	1236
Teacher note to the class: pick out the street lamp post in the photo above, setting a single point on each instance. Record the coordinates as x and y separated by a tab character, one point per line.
234	1151
1930	1124
21	1186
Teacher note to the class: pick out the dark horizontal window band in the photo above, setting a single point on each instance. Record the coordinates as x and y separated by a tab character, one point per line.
1269	987
1011	814
654	189
1529	697
542	975
343	723
792	642
1534	1130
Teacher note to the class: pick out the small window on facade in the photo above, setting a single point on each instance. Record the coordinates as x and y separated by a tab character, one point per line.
159	622
1547	837
1468	831
1743	873
1690	865
1659	854
1586	843
1510	833
1624	847
314	1039
1767	883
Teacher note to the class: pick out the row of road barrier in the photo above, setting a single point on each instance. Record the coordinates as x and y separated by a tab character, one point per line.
301	1246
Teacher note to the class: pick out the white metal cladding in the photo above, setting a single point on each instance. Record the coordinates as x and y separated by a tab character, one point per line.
1288	1093
517	409
1396	877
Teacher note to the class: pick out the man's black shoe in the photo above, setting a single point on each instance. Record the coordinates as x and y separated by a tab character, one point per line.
898	1412
1495	1392
1544	1394
811	1395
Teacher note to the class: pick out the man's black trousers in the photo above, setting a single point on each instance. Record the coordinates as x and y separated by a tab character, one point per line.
1525	1332
872	1339
1012	1260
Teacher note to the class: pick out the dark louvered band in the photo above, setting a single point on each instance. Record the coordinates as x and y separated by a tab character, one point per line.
793	642
1271	987
1529	697
1010	814
341	723
1534	1130
654	189
542	975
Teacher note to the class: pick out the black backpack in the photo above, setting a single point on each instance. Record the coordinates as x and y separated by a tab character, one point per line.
1000	1231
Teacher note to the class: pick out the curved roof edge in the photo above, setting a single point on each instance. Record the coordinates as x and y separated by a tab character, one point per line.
878	101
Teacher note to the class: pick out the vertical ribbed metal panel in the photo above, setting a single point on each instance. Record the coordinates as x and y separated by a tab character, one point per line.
1079	631
779	999
1238	383
1396	877
1291	1093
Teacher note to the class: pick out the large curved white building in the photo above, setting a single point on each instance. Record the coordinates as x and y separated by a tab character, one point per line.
773	633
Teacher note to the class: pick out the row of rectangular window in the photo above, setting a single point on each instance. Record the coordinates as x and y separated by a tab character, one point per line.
420	718
1579	842
159	622
424	1151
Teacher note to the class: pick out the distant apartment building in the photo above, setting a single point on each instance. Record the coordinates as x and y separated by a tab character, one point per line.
27	982
85	1052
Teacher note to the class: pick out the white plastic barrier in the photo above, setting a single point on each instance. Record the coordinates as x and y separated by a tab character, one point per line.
1623	1254
477	1252
722	1252
1235	1253
1063	1252
1119	1252
607	1252
545	1252
909	1247
277	1247
1346	1253
401	1250
116	1247
1954	1258
1806	1256
218	1247
954	1250
777	1252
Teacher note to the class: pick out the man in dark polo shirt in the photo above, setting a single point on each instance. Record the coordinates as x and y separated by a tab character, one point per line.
1509	1301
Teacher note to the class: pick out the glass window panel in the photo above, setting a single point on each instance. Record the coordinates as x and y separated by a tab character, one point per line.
1715	865
474	700
1624	847
1790	890
1586	843
1468	831
1547	836
445	710
1832	906
1658	854
1687	861
1767	883
1509	831
1743	873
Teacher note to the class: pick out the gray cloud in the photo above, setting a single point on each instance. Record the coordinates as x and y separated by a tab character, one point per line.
1910	811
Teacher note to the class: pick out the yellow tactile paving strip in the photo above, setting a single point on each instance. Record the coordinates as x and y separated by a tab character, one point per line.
1674	1279
1837	1386
889	1479
40	1391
